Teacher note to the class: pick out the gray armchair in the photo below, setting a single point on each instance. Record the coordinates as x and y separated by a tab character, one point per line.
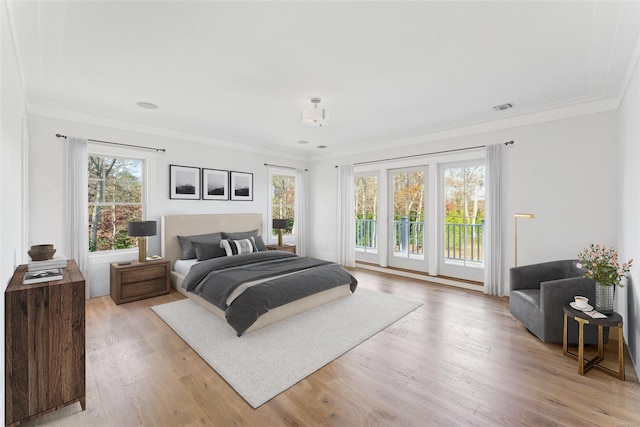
540	291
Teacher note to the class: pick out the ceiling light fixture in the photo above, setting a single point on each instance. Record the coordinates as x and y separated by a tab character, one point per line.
314	116
302	142
147	105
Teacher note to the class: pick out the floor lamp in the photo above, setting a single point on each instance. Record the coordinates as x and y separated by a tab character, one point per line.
515	233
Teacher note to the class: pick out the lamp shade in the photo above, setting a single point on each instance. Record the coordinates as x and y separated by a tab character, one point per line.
142	228
314	117
280	224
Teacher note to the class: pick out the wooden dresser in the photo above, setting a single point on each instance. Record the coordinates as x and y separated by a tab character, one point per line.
44	344
139	280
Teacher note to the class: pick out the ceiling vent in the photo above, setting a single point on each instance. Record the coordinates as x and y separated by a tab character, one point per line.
502	107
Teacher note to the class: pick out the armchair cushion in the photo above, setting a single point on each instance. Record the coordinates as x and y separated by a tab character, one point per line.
540	291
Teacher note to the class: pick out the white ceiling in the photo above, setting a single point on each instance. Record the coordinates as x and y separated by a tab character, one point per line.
243	71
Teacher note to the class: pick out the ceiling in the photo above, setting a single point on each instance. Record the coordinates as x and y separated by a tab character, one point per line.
242	72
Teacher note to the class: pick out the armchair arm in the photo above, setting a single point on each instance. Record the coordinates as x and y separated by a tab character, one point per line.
530	276
555	294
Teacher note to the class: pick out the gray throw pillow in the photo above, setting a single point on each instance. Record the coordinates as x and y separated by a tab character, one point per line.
258	244
207	250
240	235
186	243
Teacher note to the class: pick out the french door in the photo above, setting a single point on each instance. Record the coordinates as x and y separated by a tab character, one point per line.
406	228
462	220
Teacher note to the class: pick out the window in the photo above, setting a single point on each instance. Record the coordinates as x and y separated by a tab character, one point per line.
116	189
283	192
464	214
366	212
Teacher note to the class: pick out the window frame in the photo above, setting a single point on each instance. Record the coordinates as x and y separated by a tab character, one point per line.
94	149
467	270
286	238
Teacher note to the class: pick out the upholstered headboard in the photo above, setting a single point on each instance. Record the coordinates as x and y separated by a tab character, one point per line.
173	226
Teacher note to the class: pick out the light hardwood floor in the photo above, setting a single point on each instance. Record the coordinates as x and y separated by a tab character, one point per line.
460	359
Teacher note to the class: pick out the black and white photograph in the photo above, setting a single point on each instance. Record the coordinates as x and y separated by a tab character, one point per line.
241	186
215	184
184	182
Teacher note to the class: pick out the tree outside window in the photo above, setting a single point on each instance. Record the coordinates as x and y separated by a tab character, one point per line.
283	190
115	198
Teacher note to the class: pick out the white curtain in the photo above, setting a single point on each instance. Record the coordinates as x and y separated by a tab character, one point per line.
77	206
300	212
346	227
494	283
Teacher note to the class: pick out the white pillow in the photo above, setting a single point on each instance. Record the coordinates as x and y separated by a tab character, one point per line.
243	246
236	247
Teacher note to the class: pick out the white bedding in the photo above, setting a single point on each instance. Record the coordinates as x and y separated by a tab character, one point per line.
183	266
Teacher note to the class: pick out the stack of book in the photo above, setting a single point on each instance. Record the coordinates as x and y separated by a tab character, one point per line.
44	271
47	264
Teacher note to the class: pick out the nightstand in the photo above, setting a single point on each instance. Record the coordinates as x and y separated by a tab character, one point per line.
286	248
139	280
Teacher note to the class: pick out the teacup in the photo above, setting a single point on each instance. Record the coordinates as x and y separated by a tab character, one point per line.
581	302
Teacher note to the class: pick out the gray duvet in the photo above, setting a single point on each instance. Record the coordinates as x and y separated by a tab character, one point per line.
247	286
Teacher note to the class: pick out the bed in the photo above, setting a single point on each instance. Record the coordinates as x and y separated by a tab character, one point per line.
340	283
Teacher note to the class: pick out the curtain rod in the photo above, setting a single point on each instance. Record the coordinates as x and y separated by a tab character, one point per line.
117	143
283	167
427	154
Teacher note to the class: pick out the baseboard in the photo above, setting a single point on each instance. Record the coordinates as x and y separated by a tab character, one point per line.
423	276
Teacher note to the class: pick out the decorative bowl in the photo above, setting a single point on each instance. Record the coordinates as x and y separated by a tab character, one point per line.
41	252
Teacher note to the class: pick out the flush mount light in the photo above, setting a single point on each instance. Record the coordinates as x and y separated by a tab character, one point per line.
314	116
502	107
302	142
147	105
322	146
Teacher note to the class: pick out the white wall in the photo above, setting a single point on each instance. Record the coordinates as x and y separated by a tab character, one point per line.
563	171
47	193
12	137
628	299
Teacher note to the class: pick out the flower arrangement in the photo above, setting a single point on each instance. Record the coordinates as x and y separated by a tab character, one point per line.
601	264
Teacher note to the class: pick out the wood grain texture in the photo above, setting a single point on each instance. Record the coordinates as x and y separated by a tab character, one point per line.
45	346
139	280
460	359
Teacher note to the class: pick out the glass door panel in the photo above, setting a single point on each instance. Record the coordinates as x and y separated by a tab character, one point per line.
464	201
407	213
366	213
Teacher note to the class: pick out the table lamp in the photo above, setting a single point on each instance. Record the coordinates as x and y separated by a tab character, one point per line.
142	229
280	224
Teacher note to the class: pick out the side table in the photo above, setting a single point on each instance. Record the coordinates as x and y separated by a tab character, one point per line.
138	280
286	248
612	320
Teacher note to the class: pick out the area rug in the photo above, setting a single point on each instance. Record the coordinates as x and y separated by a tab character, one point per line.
264	363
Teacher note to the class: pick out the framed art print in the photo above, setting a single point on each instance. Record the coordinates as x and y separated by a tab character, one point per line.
215	184
184	182
241	186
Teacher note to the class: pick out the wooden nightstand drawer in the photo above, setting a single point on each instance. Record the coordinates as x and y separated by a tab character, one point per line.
134	275
139	280
143	289
286	248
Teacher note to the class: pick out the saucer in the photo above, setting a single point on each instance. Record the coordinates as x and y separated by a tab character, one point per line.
587	308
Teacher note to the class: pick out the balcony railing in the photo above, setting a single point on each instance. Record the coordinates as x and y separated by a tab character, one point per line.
462	242
408	237
367	234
